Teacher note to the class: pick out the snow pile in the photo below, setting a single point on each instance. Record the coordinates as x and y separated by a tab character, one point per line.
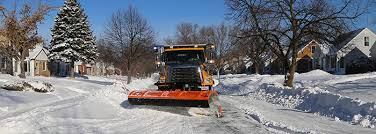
36	86
314	73
113	94
43	87
143	84
352	78
319	101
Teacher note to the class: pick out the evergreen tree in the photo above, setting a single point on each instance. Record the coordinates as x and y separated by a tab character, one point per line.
72	39
90	49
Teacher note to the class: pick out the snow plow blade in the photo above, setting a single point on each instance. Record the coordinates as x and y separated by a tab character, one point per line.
204	99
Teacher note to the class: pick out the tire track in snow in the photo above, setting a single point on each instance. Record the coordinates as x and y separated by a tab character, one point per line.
45	106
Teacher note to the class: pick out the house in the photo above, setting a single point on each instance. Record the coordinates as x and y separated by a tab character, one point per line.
101	68
305	57
272	64
235	65
62	69
59	68
36	64
98	68
353	52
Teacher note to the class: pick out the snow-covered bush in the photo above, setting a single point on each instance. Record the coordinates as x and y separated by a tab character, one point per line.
41	86
17	86
27	86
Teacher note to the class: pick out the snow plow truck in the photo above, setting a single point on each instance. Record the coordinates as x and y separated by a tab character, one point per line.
184	79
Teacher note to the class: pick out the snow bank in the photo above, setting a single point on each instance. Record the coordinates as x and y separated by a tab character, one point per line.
317	72
142	84
28	86
314	92
352	78
319	101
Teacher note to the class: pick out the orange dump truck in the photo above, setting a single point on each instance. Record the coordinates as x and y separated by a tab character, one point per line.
184	79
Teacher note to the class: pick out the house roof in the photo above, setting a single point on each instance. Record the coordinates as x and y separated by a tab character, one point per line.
345	38
36	51
332	48
304	44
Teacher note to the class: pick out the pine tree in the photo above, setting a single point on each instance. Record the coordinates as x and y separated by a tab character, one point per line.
90	50
72	39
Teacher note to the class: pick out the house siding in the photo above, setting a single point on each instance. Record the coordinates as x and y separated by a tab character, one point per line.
41	68
305	57
351	52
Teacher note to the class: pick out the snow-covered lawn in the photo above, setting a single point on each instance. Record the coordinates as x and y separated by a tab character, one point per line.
341	100
320	103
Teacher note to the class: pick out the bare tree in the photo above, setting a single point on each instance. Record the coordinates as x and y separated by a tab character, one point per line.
254	49
106	53
206	34
169	41
187	33
221	39
282	24
20	29
130	33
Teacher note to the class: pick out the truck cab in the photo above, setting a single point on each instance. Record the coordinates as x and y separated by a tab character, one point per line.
185	67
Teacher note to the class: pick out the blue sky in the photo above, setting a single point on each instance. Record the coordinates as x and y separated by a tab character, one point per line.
162	15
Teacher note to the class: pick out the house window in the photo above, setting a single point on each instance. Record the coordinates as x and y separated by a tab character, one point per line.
3	63
16	66
366	41
327	62
25	66
333	61
313	48
28	66
44	66
341	63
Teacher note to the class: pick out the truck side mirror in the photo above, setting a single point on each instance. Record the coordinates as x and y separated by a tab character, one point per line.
159	63
211	50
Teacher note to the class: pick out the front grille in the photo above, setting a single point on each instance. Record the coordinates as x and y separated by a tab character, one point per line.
185	75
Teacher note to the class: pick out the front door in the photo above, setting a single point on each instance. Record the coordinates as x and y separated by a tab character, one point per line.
37	64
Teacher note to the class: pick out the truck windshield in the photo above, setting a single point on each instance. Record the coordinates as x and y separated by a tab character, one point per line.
185	56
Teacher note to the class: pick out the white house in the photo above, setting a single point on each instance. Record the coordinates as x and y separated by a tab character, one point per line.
36	64
351	53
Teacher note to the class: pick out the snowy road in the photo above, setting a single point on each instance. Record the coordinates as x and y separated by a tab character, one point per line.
99	105
82	106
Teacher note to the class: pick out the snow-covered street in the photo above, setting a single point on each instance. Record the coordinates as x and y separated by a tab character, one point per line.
99	105
93	106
